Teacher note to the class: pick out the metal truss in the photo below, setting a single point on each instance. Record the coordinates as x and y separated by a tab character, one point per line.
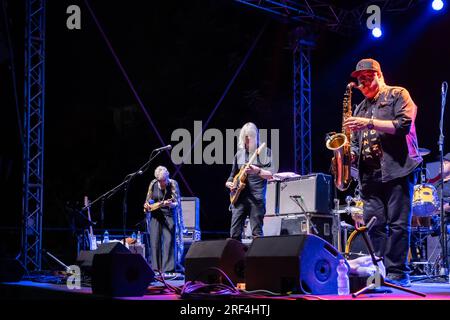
343	18
33	153
302	107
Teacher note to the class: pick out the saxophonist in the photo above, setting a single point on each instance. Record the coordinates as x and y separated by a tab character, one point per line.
385	149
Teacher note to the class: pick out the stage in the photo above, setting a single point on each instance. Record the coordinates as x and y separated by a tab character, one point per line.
29	290
262	151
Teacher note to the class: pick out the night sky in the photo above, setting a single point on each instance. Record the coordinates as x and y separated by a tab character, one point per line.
180	58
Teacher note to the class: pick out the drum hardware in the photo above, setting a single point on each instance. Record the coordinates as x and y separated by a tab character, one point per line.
424	151
355	208
380	281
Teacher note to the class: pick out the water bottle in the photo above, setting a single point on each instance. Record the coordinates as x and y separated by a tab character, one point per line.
139	238
106	237
343	281
133	235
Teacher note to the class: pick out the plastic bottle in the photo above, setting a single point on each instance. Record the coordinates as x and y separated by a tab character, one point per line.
139	238
133	235
106	237
343	281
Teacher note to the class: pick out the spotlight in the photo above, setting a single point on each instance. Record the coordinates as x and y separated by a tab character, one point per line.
437	4
376	32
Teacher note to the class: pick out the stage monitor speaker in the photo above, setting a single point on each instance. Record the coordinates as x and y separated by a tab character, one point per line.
296	263
120	275
11	270
313	192
86	257
228	255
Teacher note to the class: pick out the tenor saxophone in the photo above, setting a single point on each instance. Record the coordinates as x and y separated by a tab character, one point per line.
339	143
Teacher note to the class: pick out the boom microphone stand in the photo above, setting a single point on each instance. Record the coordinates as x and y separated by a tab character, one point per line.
444	255
125	185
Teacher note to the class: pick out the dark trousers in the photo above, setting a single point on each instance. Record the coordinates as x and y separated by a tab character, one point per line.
162	234
254	209
391	204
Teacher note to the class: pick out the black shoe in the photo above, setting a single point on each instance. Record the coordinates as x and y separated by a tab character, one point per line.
379	290
398	279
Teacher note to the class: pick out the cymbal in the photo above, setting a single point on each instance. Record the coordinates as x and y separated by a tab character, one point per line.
424	151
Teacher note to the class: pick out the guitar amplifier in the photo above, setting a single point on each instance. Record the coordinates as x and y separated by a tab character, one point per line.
191	218
272	196
309	193
294	224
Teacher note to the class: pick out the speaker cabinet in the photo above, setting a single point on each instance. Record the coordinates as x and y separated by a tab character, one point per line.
86	257
272	196
191	217
120	273
296	263
10	270
227	255
299	224
312	193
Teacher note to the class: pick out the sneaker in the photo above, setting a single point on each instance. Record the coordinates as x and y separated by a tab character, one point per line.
169	275
398	279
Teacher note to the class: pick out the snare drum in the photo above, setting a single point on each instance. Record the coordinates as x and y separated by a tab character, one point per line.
425	200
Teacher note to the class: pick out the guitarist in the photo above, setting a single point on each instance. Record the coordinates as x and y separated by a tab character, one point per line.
252	199
164	193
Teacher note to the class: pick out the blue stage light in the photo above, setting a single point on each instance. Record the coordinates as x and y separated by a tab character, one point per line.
376	32
437	4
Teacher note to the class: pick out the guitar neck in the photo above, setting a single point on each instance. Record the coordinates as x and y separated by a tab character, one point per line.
255	154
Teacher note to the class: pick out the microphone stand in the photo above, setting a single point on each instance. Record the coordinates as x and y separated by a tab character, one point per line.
444	253
309	222
125	185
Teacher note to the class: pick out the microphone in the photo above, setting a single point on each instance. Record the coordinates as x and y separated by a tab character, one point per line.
168	147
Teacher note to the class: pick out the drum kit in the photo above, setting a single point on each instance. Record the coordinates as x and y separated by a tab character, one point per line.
425	205
425	208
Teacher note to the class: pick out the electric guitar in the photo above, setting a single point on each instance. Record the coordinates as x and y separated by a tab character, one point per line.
240	178
92	238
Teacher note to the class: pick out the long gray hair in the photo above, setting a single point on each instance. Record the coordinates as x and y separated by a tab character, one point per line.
248	129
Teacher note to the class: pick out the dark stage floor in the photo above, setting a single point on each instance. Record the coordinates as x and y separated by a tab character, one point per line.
24	290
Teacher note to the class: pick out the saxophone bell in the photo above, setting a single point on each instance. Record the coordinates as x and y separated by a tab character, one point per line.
339	143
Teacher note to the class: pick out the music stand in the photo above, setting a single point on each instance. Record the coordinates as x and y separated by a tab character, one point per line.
363	230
